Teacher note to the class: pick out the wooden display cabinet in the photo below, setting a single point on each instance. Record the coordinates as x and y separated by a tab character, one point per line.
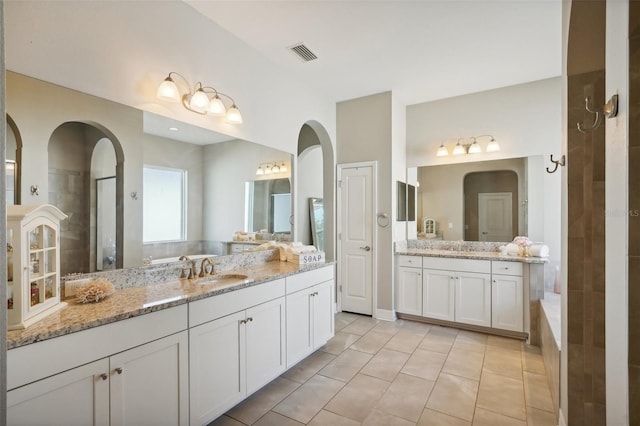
33	263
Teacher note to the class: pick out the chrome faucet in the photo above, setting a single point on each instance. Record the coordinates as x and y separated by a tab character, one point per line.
203	267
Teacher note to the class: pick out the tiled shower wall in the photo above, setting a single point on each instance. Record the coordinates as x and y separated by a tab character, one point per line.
634	213
586	252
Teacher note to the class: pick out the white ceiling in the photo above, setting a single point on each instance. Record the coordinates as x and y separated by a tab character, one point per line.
422	50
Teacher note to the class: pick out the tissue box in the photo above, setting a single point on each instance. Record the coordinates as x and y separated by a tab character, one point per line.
306	258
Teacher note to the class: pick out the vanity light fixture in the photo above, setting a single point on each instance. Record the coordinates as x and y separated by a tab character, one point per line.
271	168
260	171
470	148
201	99
283	168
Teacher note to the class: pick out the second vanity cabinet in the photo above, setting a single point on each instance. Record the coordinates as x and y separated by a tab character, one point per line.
507	295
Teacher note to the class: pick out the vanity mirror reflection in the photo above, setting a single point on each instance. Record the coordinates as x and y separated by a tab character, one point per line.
268	206
477	201
217	167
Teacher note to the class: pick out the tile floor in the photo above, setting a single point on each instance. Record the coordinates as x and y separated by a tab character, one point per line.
405	373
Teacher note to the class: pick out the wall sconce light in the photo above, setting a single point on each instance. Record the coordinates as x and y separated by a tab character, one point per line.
203	100
471	148
271	168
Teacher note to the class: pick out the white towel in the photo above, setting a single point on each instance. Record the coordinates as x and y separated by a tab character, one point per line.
512	249
539	250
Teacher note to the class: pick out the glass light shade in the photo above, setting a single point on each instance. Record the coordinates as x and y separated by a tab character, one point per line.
475	148
216	107
168	91
493	146
283	168
459	149
275	169
199	101
259	172
267	169
233	115
442	151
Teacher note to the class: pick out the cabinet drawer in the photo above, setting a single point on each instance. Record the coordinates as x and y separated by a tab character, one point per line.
506	268
462	265
307	279
410	261
214	307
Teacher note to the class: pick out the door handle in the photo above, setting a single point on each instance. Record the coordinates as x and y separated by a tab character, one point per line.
365	248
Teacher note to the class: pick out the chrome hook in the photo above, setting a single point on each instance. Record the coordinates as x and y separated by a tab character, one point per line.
609	110
560	162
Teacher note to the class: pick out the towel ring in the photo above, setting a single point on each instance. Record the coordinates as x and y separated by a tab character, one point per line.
383	220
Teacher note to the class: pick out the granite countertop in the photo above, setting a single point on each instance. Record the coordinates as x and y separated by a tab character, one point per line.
131	302
480	255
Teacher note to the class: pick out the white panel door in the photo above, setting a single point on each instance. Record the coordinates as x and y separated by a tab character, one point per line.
409	287
495	220
299	333
322	313
150	384
357	251
438	295
78	397
473	298
507	303
265	334
216	363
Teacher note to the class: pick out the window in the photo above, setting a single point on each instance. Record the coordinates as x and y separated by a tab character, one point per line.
164	204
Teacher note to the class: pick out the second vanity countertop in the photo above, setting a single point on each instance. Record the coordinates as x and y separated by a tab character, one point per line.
479	255
140	300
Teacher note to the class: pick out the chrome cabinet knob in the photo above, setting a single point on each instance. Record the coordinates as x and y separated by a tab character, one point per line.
366	248
118	370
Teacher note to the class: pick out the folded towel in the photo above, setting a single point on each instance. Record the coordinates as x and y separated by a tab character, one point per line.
539	250
512	249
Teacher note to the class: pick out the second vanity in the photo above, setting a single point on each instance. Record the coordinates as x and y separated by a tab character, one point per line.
175	352
481	291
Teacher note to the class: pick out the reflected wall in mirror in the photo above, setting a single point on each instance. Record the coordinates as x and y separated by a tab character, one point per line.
316	213
13	166
268	206
401	206
450	194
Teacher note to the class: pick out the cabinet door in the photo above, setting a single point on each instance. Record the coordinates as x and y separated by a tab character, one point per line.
409	295
265	334
76	397
473	298
298	325
438	295
149	383
322	313
507	303
217	382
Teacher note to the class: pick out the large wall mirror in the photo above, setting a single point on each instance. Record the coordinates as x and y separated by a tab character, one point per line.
477	201
93	170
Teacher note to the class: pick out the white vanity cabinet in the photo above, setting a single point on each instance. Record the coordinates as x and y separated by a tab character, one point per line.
473	298
507	296
236	346
309	312
409	288
144	384
438	300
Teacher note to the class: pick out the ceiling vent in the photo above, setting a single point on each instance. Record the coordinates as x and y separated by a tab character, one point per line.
303	52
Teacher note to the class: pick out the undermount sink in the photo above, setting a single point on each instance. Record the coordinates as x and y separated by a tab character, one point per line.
223	278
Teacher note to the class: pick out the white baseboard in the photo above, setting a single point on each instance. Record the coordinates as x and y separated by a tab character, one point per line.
561	420
386	315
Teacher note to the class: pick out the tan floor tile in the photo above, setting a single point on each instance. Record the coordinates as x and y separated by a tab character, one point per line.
360	326
437	342
346	365
536	391
464	363
225	421
472	337
371	342
469	346
258	404
532	361
435	418
305	369
505	343
306	401
425	364
537	417
488	418
380	418
389	327
443	331
358	397
406	397
343	319
327	418
502	395
339	343
275	419
385	364
454	395
416	327
503	362
404	341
